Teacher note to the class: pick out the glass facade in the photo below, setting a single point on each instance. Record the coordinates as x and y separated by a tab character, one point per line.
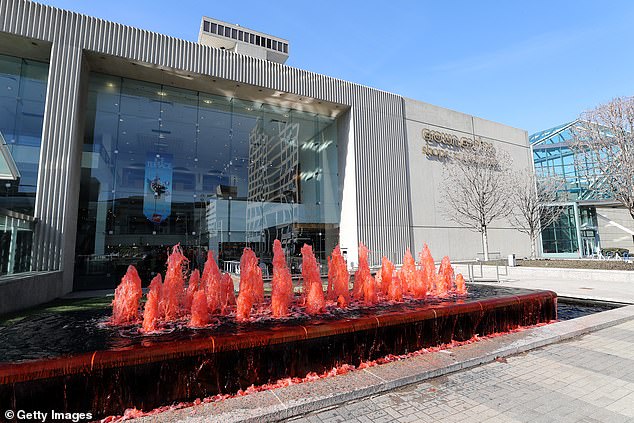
554	158
560	237
163	165
22	98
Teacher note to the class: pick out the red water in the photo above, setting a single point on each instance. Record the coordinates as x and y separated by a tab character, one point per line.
428	270
313	292
192	287
391	284
282	284
200	312
125	306
170	301
338	279
151	310
172	292
227	293
212	281
461	286
408	273
364	284
251	285
446	277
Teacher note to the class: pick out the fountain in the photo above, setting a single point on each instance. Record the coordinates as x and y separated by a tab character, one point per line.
198	341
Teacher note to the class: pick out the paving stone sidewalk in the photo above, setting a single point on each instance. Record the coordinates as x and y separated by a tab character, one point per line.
588	379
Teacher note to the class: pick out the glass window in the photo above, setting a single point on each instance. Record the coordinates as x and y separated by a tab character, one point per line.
561	235
163	165
214	28
234	33
22	99
221	30
268	43
240	35
285	48
227	32
252	38
206	26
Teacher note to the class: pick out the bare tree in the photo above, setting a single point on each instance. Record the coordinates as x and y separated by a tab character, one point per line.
603	142
476	183
532	199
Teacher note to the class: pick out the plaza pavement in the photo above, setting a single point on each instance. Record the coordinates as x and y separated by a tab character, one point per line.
588	379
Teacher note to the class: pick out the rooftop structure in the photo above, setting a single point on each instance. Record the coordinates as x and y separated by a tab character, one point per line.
233	37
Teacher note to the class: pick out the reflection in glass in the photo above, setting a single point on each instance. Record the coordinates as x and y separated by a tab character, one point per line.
163	165
22	97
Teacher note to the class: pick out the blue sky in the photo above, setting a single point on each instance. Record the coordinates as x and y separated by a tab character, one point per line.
531	65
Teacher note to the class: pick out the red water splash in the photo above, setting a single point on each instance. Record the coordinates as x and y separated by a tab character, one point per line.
192	287
172	292
227	293
125	306
446	277
313	292
200	312
338	278
409	274
428	269
282	284
251	285
211	281
151	310
390	282
364	284
461	286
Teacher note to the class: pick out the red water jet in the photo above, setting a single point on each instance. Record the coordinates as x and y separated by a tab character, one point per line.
338	278
151	310
125	306
312	290
192	287
446	277
461	286
211	281
251	285
427	269
282	284
227	293
409	274
172	292
200	312
390	283
364	284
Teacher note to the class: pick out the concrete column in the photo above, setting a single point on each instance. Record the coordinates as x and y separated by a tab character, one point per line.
59	169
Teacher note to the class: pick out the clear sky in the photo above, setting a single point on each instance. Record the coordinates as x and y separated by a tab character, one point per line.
530	64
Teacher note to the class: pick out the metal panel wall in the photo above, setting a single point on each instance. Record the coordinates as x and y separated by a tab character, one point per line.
380	146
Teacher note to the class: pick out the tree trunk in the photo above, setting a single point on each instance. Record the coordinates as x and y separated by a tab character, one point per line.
485	243
533	241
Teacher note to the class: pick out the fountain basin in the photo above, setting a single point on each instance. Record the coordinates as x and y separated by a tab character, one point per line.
151	373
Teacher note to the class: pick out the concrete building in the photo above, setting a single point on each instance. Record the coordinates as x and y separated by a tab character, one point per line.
128	141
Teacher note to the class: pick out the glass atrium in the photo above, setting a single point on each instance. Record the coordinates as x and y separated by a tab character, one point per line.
576	230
